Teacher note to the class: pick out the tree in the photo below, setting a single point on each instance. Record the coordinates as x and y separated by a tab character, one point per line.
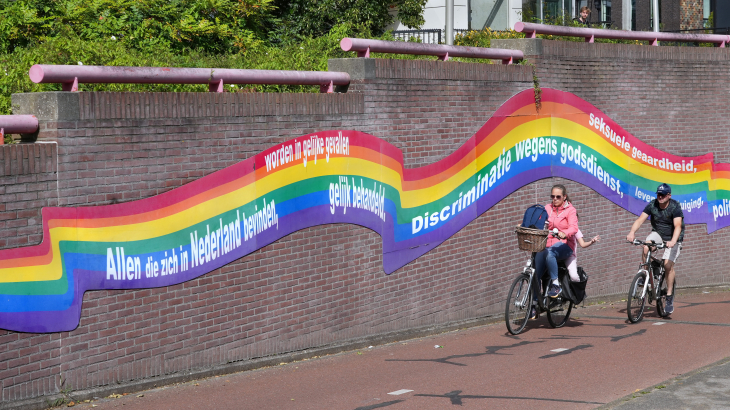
295	19
218	26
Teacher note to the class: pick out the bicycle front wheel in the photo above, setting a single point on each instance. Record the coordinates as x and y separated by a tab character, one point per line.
636	302
661	300
519	302
558	311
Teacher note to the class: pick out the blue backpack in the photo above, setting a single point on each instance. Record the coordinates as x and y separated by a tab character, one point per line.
535	217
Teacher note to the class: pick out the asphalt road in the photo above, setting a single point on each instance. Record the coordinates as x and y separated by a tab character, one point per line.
598	360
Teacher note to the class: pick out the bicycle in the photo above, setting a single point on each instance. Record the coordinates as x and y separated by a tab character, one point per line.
520	299
644	285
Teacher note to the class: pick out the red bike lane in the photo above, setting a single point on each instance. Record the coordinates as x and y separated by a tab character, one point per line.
596	359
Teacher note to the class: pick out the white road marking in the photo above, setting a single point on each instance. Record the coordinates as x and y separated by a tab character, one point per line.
399	392
659	323
562	349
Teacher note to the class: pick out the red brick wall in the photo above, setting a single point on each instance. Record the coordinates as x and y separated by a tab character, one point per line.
692	14
324	286
27	183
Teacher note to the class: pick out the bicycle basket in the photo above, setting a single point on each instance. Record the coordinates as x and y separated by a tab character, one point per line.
529	239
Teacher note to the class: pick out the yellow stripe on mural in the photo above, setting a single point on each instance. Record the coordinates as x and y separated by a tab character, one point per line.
585	136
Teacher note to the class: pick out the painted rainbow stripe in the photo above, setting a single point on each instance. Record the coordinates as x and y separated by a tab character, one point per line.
341	177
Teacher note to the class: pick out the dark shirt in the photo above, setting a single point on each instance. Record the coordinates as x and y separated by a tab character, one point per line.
662	220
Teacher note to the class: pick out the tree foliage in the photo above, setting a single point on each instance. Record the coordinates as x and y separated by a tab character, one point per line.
312	18
218	26
261	34
214	26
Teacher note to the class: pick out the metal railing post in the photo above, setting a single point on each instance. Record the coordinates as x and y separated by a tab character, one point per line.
17	124
531	30
71	76
443	52
450	22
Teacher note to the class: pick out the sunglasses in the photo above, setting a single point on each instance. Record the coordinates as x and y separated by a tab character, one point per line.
556	196
661	195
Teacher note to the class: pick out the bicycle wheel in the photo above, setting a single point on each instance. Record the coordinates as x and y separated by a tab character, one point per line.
558	311
662	296
636	303
519	302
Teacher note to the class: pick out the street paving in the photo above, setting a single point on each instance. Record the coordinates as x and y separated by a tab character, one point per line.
598	360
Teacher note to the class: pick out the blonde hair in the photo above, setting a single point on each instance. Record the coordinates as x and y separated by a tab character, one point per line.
584	8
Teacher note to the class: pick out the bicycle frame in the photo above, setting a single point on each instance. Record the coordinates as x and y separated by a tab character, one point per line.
530	270
525	289
652	283
647	270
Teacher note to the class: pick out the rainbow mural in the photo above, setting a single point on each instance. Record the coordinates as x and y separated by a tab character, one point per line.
342	176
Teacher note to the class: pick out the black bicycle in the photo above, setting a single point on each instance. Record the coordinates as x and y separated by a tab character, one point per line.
520	299
648	286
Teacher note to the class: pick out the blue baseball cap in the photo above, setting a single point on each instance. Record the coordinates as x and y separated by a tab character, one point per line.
663	189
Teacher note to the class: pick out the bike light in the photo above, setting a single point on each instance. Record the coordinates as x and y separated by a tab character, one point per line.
529	263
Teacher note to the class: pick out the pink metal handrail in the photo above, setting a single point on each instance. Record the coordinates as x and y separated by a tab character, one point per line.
532	29
71	75
17	124
366	46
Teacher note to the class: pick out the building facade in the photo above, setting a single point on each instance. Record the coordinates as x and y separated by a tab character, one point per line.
674	15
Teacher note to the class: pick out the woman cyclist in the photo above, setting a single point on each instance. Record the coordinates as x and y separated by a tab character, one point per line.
563	217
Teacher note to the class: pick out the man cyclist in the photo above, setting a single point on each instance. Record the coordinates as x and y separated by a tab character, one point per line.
667	224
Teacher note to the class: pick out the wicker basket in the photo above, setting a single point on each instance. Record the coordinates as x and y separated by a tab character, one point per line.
532	240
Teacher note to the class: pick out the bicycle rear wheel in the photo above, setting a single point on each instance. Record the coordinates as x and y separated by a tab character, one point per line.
661	300
558	311
636	303
519	302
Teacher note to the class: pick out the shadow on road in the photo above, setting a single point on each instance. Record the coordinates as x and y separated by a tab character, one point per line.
447	360
379	405
456	398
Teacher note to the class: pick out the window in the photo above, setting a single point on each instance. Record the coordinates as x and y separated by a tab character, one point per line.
550	9
633	15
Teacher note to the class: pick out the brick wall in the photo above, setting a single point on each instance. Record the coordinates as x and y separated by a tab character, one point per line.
324	286
643	15
691	14
27	183
671	15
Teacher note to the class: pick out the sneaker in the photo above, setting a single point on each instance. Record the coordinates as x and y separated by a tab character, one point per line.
554	291
533	313
669	307
640	282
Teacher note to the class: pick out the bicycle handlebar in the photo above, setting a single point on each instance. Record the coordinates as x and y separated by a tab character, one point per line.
555	233
652	243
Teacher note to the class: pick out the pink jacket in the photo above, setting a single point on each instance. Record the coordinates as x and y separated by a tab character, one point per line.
566	220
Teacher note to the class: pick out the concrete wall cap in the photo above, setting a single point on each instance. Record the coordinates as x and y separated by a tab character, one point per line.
358	68
529	46
48	106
